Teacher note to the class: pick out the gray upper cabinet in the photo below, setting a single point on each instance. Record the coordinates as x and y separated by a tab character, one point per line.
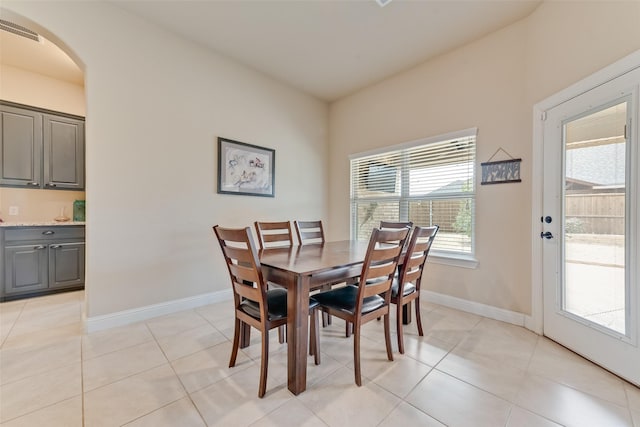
20	147
63	152
41	148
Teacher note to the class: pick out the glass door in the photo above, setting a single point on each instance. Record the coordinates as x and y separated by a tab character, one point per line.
590	226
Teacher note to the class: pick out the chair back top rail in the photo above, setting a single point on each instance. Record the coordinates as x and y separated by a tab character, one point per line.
395	224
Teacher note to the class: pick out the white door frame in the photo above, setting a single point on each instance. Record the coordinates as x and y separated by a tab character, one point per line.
535	322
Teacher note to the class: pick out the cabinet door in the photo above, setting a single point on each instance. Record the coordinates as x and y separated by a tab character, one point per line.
63	152
66	265
20	147
25	268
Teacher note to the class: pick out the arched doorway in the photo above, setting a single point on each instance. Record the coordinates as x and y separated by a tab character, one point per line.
37	71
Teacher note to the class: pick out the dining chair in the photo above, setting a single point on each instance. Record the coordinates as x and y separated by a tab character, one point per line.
406	286
386	225
371	297
254	304
274	234
312	232
309	232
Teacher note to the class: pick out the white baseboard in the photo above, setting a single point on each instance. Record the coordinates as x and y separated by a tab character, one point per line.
126	317
480	309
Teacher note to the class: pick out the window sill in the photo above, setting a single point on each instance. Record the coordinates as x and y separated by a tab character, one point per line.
464	261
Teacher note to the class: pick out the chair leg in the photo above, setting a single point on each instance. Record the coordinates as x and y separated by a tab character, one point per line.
387	336
236	343
356	354
326	319
282	333
418	318
264	364
314	337
348	329
399	327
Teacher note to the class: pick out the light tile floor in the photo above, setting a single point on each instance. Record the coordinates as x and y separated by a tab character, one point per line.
173	371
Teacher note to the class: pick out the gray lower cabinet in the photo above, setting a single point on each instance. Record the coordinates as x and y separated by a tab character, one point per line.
42	259
40	148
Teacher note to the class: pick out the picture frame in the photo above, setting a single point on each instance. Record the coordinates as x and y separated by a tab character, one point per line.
245	169
501	172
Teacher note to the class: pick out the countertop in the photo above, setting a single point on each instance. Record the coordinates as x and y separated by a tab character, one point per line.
40	223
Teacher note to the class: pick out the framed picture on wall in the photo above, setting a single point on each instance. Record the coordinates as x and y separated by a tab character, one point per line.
245	169
501	172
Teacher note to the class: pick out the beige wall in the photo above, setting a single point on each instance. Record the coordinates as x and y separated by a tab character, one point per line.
493	84
155	105
24	87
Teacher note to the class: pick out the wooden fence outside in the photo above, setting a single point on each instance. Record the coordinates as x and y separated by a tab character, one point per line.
595	213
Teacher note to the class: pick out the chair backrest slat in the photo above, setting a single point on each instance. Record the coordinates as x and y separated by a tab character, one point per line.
246	291
243	273
274	234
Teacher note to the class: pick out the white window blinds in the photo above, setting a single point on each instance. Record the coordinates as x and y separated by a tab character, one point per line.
428	182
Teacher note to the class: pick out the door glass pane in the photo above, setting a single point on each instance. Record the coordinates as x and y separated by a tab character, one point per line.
594	217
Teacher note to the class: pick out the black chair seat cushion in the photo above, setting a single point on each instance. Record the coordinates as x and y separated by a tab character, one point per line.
409	288
276	305
345	299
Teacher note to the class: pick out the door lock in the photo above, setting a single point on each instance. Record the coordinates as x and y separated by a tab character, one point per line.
546	235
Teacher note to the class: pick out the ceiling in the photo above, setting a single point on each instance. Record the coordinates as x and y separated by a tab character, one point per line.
327	48
41	57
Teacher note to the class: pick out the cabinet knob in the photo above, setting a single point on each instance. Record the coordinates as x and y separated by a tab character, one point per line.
55	246
35	184
51	184
48	232
39	247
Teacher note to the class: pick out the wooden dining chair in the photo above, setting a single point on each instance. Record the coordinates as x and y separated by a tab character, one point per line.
274	234
371	297
309	232
254	304
406	286
312	232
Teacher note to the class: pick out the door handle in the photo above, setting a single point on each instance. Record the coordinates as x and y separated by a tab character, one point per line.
546	235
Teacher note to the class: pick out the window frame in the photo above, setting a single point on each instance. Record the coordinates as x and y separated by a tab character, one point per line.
459	259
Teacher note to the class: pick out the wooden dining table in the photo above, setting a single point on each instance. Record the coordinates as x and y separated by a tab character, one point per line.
301	269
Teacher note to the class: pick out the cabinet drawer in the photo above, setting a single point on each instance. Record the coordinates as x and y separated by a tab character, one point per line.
43	233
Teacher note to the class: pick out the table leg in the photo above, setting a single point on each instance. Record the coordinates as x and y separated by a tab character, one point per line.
297	334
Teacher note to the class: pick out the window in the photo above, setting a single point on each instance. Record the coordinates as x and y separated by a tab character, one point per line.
428	182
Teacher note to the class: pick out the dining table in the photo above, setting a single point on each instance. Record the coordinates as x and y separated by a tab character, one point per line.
301	269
